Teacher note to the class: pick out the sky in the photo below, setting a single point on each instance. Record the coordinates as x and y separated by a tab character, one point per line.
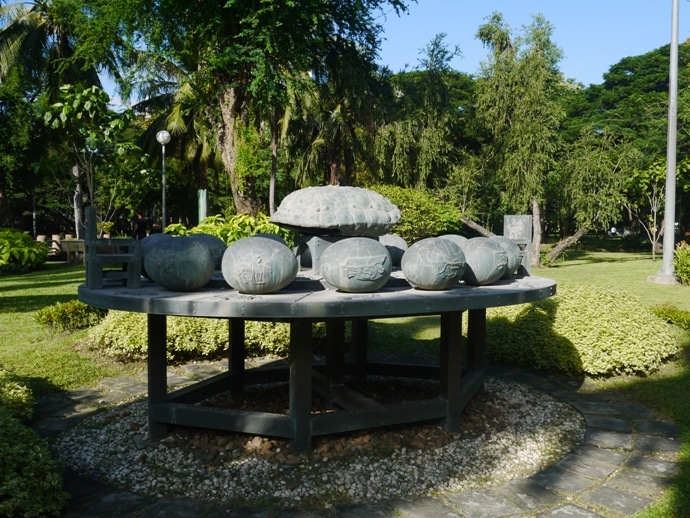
593	34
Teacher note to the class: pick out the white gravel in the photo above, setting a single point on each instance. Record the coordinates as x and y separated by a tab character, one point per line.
536	431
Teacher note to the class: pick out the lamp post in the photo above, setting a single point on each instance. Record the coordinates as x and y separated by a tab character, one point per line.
163	137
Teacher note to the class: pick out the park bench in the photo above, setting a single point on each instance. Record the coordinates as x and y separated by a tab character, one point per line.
75	250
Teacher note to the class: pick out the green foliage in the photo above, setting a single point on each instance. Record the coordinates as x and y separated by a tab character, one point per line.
30	480
232	229
673	315
422	215
123	336
582	329
69	316
681	262
15	398
20	253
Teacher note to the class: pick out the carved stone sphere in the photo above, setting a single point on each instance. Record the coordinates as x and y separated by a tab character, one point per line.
179	263
433	264
512	251
396	247
356	265
146	245
258	265
486	261
215	245
455	238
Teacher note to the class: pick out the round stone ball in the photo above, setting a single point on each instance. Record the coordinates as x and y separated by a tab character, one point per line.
258	265
179	263
215	245
433	264
486	261
455	238
512	251
356	265
396	247
146	245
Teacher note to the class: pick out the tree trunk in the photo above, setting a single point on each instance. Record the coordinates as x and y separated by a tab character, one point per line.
476	227
78	204
243	189
4	204
564	244
536	231
274	164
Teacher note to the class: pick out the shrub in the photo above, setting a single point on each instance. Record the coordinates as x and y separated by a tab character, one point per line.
19	252
582	329
16	398
233	229
30	480
123	336
69	316
422	215
681	262
673	315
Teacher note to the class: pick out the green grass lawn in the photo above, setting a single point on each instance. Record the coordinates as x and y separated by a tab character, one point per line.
52	363
46	363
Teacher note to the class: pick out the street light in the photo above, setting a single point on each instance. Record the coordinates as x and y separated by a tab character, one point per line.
163	137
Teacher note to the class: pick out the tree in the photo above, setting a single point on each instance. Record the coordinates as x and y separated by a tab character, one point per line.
591	179
248	53
517	102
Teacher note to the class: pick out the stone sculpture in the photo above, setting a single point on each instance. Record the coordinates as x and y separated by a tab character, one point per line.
433	264
396	247
486	262
356	265
512	251
179	263
258	265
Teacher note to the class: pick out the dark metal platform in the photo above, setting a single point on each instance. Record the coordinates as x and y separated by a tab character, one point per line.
302	303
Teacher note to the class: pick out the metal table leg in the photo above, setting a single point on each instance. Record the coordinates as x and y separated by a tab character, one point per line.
157	372
300	384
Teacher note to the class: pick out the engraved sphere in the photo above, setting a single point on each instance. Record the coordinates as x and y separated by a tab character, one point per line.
215	245
433	264
179	263
258	265
396	247
146	245
455	238
356	265
486	261
512	251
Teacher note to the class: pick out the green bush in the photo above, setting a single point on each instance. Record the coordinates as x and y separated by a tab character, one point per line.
582	329
30	480
123	336
16	398
20	253
422	214
673	315
681	262
232	229
69	316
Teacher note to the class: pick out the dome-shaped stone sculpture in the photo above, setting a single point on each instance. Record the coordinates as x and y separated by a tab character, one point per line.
258	265
356	265
396	247
179	263
215	245
512	251
455	238
486	262
433	264
336	211
146	245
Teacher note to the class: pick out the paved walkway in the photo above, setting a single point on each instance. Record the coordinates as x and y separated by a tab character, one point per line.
626	461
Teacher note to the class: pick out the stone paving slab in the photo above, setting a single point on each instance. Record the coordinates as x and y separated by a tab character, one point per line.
569	511
639	483
617	501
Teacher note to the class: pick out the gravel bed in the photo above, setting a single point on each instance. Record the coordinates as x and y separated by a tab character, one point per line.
509	431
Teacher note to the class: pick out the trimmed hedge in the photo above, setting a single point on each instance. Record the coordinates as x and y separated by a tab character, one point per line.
123	336
582	329
69	316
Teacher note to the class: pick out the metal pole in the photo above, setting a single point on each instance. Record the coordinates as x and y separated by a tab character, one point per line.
666	274
164	220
